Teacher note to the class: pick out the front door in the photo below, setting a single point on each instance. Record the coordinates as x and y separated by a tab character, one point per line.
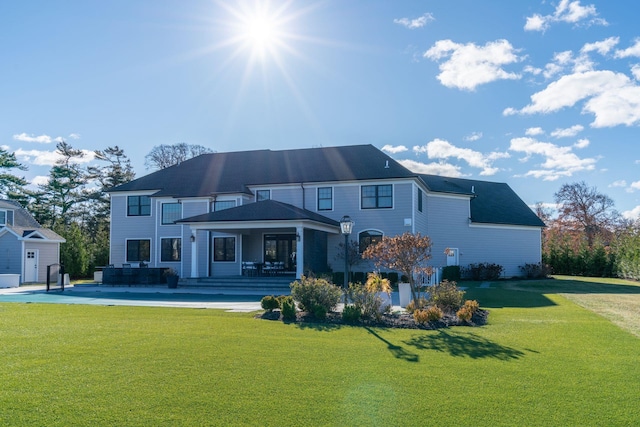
31	266
281	248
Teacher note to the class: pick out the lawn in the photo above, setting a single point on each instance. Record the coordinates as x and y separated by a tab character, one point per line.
541	360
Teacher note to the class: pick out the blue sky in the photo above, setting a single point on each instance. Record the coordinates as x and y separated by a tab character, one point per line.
532	93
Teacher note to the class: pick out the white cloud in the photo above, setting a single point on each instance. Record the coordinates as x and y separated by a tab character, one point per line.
534	131
568	132
612	97
473	137
634	186
74	135
558	161
48	158
571	12
394	149
630	51
435	168
40	180
620	183
635	70
602	47
419	22
632	214
582	143
41	139
440	149
467	65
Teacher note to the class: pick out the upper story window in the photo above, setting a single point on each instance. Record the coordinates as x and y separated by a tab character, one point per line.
6	218
325	198
138	206
171	212
376	196
138	250
368	238
263	195
419	200
223	204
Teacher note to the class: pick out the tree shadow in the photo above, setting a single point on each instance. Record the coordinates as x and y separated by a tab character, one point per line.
320	327
467	345
397	351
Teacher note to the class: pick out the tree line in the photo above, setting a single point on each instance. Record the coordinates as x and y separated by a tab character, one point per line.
588	236
74	201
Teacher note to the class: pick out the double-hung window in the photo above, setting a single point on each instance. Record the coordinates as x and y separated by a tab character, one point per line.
368	238
263	195
223	204
325	198
138	206
171	212
376	196
6	218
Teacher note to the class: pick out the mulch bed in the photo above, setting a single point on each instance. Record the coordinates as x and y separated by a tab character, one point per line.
392	320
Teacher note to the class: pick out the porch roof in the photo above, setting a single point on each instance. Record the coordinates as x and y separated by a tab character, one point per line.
263	211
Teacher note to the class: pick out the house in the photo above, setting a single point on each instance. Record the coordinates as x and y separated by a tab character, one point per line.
208	215
26	248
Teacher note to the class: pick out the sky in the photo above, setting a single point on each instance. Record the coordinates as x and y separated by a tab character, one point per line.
534	93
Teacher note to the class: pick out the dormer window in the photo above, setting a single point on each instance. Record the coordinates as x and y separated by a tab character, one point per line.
6	217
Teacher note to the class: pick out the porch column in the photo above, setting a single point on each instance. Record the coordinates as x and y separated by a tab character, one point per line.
299	252
194	254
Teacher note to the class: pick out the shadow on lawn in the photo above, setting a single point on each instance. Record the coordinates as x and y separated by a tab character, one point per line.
467	345
397	351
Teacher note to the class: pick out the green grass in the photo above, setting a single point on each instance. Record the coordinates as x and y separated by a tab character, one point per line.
541	360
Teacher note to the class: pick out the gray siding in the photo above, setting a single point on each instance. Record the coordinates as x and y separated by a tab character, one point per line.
47	255
10	255
449	226
125	227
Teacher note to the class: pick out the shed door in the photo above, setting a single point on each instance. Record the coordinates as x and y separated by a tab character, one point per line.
31	266
453	256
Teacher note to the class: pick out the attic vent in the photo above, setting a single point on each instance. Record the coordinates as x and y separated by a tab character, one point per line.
386	165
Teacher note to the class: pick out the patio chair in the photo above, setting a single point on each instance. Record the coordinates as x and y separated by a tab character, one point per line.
249	268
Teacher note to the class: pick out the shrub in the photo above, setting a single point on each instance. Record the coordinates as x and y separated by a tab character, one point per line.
429	314
312	292
367	302
413	305
358	276
375	283
319	311
446	296
464	314
269	303
535	271
351	314
288	307
471	305
484	271
451	273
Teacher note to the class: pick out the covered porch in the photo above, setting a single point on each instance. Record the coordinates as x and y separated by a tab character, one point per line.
258	240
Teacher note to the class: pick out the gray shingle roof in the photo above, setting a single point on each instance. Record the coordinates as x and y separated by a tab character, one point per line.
267	210
491	203
220	173
24	224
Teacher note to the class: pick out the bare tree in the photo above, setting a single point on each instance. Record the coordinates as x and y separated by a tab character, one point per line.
584	208
164	156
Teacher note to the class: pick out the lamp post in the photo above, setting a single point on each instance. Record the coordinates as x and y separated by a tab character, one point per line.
346	227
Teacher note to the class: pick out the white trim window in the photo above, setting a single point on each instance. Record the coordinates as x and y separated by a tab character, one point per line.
263	195
138	250
325	198
170	249
376	196
367	238
224	249
171	212
138	206
6	217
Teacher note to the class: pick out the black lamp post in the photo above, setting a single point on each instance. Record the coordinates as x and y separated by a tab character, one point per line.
346	227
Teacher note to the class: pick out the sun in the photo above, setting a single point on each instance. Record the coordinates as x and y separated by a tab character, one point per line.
261	29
